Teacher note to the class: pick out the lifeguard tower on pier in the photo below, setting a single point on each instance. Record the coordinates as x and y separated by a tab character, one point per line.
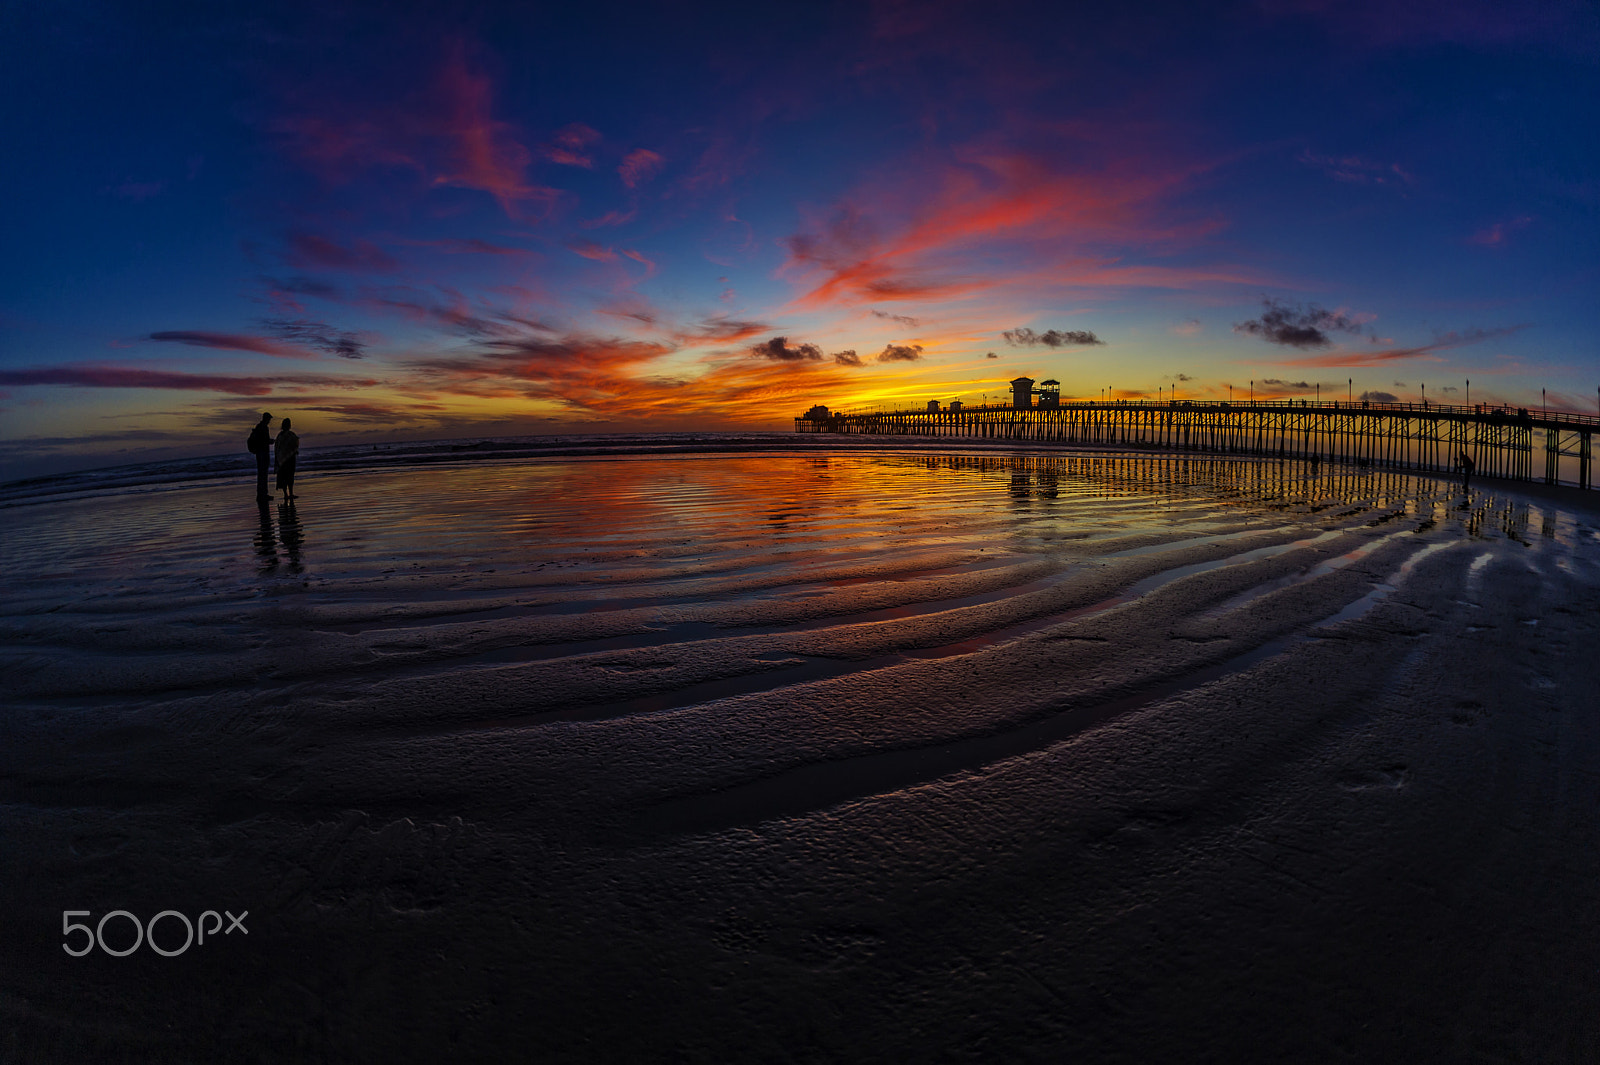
1022	393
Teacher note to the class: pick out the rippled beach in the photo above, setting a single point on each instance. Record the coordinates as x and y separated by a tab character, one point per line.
808	755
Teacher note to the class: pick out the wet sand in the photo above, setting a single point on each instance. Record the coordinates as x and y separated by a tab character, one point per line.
807	757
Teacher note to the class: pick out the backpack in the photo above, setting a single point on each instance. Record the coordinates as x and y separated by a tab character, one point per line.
253	442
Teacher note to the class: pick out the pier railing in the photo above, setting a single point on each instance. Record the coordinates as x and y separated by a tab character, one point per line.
1501	441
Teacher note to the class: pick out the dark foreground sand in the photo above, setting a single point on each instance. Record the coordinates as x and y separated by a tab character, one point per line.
780	758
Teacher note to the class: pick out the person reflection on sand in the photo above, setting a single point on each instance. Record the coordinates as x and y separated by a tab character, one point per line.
289	531
266	539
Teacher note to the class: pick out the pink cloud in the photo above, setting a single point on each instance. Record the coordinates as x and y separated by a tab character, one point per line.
610	218
639	166
446	135
310	251
570	146
650	267
232	342
922	239
590	250
124	377
722	330
1496	235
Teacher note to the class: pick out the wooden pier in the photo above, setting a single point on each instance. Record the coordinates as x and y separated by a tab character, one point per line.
1502	442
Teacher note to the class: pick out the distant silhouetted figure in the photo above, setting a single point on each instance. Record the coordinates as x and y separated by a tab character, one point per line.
260	445
288	450
1467	467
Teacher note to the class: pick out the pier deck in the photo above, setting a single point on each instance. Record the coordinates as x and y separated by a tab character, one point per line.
1502	442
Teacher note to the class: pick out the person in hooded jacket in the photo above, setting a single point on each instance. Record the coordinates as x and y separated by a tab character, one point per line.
288	450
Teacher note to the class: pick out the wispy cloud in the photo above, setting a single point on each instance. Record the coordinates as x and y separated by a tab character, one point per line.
717	330
196	338
126	377
570	146
319	335
1355	170
1443	342
639	166
312	251
446	136
919	239
590	250
1493	236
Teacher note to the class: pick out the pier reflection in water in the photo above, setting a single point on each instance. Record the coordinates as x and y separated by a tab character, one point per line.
633	584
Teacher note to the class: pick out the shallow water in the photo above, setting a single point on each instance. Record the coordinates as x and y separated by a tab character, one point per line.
677	579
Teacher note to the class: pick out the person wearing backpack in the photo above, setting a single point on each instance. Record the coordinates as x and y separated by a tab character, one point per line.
260	445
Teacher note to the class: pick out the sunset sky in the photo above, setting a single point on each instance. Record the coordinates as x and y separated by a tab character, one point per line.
401	221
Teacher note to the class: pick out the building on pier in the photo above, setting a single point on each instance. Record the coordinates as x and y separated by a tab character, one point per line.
1022	393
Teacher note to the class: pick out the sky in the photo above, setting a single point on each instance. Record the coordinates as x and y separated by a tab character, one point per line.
407	221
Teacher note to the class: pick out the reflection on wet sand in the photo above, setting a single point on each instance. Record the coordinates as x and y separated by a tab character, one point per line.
1014	735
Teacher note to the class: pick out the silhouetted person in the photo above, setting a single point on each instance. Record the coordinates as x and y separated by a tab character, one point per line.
260	445
1467	467
288	450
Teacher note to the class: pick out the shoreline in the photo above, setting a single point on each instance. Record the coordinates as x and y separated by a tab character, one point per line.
469	452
